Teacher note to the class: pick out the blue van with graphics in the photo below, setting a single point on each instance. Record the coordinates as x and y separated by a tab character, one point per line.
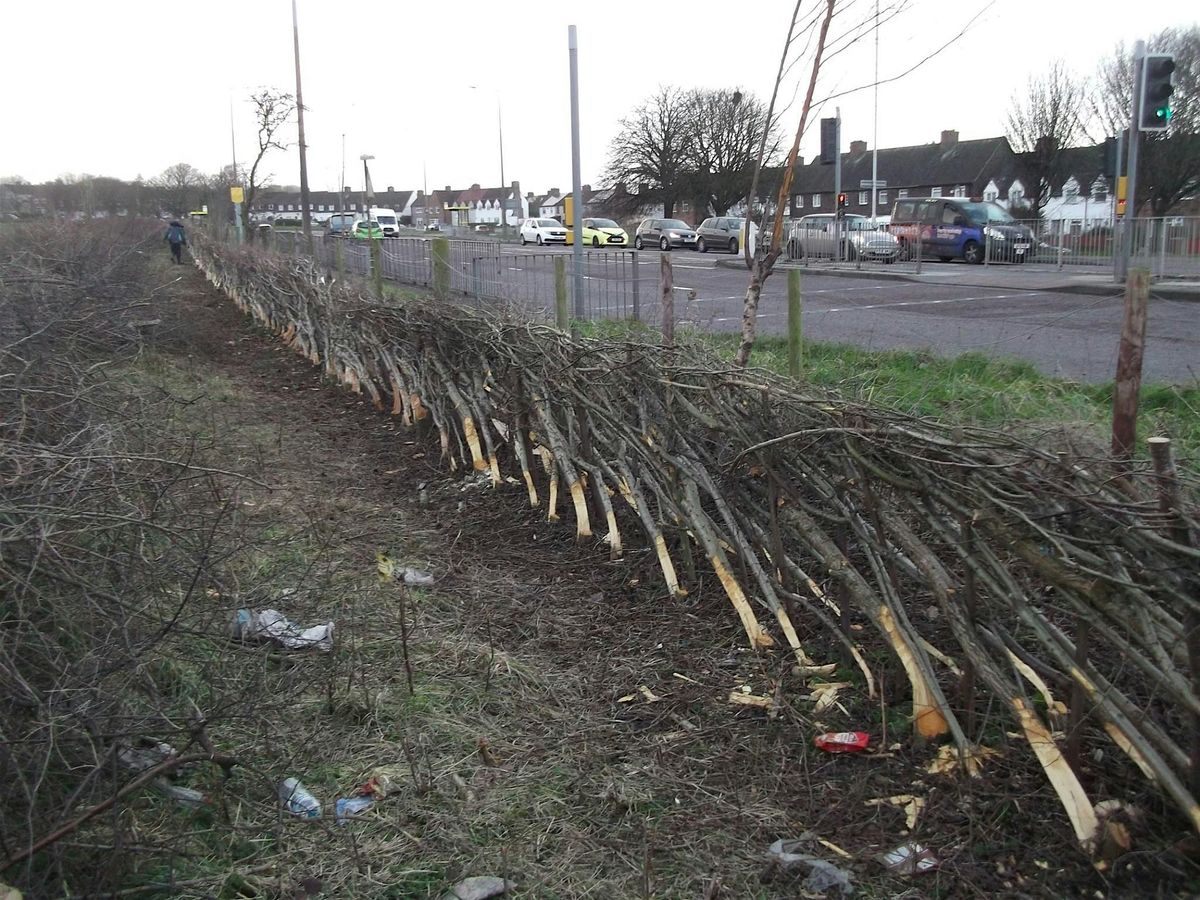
957	228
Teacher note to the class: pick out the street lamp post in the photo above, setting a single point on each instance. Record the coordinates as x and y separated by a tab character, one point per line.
503	183
366	184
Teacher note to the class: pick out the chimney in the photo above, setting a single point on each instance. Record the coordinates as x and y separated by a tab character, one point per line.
391	190
447	189
857	147
586	189
475	186
949	138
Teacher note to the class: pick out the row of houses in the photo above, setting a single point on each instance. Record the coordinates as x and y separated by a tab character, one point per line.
1081	195
471	206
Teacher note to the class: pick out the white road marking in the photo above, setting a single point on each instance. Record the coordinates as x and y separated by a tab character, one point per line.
835	309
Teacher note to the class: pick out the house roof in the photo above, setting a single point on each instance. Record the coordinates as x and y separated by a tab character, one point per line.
1084	164
961	162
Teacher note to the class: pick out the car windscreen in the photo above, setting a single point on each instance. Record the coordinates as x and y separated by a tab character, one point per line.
387	220
863	224
675	223
604	223
546	223
982	213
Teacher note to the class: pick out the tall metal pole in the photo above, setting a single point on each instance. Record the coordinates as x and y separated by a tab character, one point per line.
237	207
1135	107
837	185
503	183
576	188
342	183
1116	224
875	137
305	212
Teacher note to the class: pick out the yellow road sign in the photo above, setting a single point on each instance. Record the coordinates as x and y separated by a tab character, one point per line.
237	195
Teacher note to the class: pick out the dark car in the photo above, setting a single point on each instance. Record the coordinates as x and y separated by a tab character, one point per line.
952	228
664	234
721	233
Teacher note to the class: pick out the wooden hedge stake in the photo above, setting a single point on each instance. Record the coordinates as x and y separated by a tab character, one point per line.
795	329
562	317
1129	364
440	253
1170	504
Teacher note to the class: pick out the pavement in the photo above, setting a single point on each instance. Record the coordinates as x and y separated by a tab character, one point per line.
1023	278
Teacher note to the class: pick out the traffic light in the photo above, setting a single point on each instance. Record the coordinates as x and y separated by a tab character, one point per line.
841	201
1157	69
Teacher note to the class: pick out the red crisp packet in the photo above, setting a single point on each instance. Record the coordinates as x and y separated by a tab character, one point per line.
842	741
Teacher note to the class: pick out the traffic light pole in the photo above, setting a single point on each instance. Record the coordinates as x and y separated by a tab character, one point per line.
837	186
1135	139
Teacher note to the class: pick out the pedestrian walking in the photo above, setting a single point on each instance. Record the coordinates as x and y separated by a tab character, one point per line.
176	238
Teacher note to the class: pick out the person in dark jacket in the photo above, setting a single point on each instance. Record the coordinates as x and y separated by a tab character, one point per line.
176	238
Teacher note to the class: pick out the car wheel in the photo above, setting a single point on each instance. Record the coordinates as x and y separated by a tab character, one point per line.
851	253
664	244
637	243
973	253
701	246
539	240
946	258
733	246
523	241
595	242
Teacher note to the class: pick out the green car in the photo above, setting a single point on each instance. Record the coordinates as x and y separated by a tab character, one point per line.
367	230
600	233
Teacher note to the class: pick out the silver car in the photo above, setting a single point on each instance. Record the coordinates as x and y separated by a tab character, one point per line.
816	236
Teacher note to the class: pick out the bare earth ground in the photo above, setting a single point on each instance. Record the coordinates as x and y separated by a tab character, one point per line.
569	728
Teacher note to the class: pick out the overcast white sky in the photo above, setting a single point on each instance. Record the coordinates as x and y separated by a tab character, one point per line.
128	87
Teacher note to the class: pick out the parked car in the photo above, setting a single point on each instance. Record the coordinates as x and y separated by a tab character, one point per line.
950	228
722	233
367	228
341	224
817	235
433	226
600	233
665	234
543	231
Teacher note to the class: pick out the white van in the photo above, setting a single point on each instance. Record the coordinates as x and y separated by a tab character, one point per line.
387	219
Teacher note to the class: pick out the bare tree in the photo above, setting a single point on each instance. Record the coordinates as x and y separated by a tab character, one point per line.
1045	120
180	187
762	264
272	110
654	148
1170	161
728	127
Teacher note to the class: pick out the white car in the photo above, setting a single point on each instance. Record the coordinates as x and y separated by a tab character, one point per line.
543	231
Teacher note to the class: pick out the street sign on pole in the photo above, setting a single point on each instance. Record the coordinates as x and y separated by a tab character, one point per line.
237	194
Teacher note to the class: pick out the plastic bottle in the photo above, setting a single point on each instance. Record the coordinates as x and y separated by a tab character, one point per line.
298	801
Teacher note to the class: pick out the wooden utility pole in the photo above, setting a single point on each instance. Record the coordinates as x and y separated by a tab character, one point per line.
1129	364
305	211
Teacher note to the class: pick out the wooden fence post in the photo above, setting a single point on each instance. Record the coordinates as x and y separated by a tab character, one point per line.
1129	364
377	266
1171	505
562	317
440	252
666	283
338	259
795	330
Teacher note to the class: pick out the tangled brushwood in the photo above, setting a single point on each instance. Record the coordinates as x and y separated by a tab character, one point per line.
119	538
1060	584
